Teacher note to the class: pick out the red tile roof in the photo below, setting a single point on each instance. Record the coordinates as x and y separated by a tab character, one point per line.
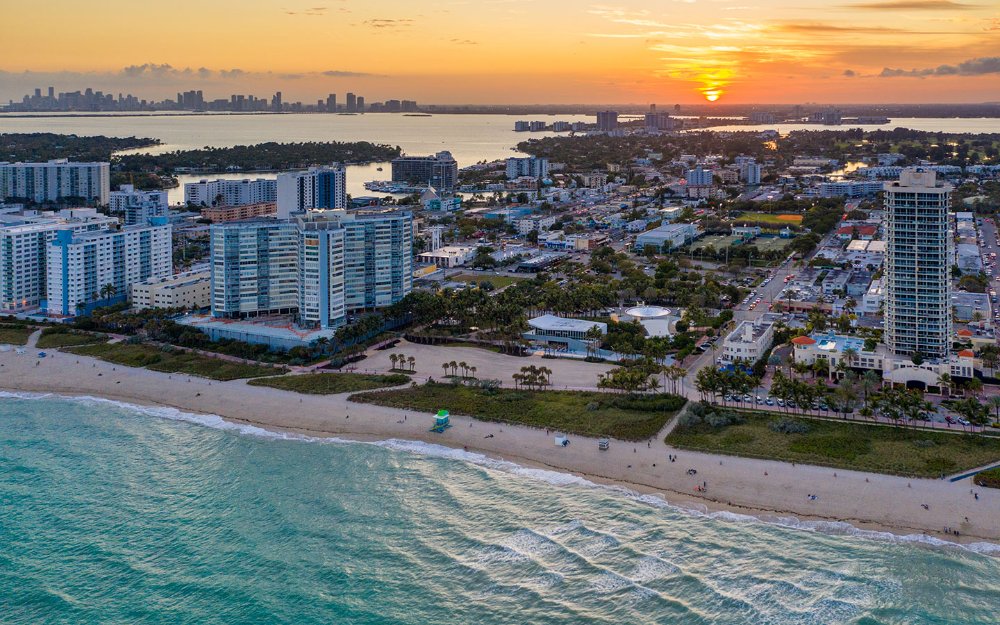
803	340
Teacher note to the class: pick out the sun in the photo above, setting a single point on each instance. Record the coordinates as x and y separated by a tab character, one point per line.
712	96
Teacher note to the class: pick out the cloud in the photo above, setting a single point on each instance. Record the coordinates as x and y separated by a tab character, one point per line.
313	11
913	5
973	67
387	23
149	69
849	73
339	73
464	42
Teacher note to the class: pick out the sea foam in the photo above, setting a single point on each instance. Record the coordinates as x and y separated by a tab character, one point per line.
555	478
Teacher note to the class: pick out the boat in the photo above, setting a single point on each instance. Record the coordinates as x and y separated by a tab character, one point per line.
417	115
378	169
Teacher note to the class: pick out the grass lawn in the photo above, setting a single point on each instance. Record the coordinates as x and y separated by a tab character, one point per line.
862	447
584	413
716	241
489	348
990	478
766	244
331	383
497	281
172	362
14	335
63	337
771	218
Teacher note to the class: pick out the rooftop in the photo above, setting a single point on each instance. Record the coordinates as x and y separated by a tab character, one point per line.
565	324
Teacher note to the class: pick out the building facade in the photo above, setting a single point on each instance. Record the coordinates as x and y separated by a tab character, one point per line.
56	180
439	171
192	289
96	266
918	265
532	167
217	214
317	188
126	196
24	249
321	265
230	192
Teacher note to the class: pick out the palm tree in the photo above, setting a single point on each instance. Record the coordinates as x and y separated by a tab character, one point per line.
445	366
944	383
412	362
454	367
473	369
464	367
994	403
393	358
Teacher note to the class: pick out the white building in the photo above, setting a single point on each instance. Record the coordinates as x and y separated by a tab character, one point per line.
317	188
82	268
448	256
126	196
667	237
748	342
699	177
24	240
529	166
56	180
230	192
750	173
536	223
192	289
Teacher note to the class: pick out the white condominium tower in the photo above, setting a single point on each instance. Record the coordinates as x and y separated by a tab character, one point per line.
230	192
56	180
84	269
918	265
24	240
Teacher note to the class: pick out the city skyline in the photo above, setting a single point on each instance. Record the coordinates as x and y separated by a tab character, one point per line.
869	51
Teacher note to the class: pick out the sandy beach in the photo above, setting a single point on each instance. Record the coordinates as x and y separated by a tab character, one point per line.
765	489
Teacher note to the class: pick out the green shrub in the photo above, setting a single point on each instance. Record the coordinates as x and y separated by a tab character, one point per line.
990	478
788	426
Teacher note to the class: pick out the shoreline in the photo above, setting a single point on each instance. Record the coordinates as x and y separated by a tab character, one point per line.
766	490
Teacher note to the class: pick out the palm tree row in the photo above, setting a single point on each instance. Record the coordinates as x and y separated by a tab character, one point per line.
401	362
533	377
467	371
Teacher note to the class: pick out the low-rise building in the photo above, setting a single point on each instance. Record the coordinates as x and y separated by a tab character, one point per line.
449	256
563	333
218	214
667	236
192	289
748	342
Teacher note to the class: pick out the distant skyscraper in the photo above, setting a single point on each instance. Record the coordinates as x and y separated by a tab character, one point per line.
276	102
607	120
352	103
527	166
918	264
360	104
331	103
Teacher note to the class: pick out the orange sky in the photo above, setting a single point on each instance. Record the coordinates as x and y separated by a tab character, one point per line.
517	51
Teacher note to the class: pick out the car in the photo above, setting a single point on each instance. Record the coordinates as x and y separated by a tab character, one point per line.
781	402
769	401
728	398
791	403
949	419
963	421
747	398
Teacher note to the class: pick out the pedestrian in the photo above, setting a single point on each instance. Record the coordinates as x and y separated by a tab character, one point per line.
976	495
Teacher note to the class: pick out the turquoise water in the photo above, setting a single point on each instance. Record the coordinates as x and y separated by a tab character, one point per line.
112	514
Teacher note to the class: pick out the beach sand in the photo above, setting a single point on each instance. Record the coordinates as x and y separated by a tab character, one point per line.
766	489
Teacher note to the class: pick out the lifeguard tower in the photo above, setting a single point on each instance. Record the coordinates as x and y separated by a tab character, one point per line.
441	422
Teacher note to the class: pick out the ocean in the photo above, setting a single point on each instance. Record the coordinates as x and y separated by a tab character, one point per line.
116	514
470	138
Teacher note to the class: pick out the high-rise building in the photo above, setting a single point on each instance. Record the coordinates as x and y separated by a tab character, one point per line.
55	181
607	120
138	207
439	171
699	177
321	265
360	104
230	192
750	172
658	121
85	268
331	103
24	247
918	265
352	103
529	166
317	188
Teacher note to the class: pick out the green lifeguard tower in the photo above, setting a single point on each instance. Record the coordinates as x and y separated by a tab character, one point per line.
441	422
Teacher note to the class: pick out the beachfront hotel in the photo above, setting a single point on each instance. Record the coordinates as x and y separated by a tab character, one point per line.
917	265
91	268
321	265
24	239
55	180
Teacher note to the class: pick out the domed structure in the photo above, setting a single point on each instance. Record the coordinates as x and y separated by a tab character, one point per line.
648	312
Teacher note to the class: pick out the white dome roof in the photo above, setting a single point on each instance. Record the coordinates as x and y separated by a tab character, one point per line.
648	312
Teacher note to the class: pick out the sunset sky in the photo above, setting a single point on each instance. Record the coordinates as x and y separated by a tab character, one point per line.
512	51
